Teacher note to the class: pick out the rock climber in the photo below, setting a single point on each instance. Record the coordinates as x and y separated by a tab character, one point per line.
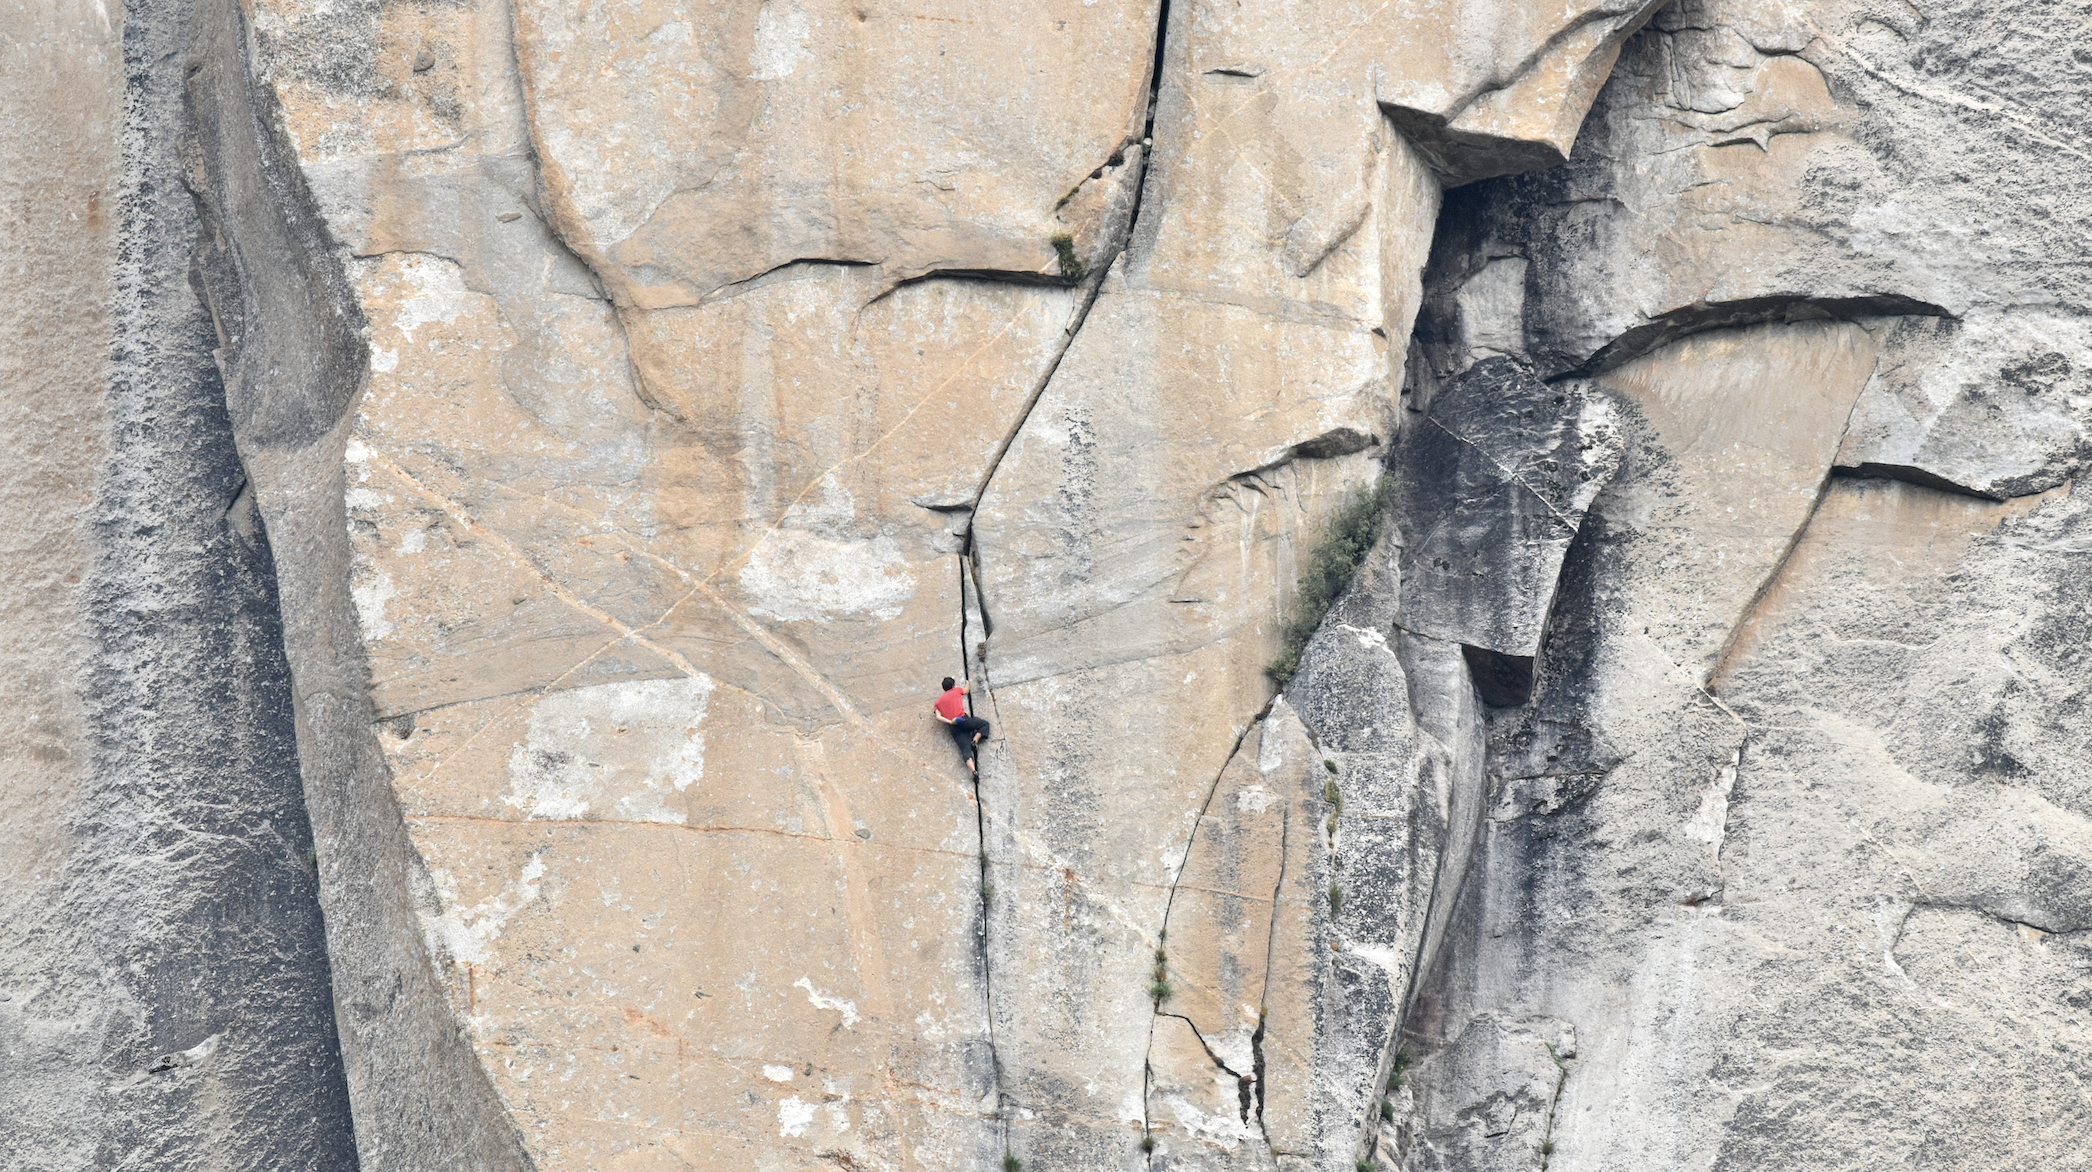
967	730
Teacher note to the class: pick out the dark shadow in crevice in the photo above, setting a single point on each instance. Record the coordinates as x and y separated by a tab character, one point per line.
1909	474
1503	681
1776	308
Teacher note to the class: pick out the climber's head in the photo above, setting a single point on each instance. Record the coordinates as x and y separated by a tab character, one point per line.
950	683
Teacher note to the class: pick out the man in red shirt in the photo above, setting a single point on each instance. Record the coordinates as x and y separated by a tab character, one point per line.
967	730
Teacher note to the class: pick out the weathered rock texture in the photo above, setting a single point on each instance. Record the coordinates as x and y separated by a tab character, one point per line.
529	465
1781	802
164	981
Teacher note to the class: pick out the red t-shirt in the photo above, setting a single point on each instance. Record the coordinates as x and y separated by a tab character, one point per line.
952	705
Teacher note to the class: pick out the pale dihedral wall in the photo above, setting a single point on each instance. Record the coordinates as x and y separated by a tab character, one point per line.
165	996
697	339
642	404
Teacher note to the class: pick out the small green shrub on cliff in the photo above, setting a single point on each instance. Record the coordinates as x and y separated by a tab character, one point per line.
1071	265
1346	539
1394	1079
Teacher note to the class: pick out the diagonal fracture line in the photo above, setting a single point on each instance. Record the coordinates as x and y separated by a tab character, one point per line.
457	512
637	635
959	368
1509	474
748	626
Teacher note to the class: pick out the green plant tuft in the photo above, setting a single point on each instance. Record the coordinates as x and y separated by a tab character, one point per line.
1394	1078
1147	1141
987	893
1010	1163
1071	265
1547	1147
1387	1110
1160	991
312	860
1329	765
1346	539
1333	795
1336	898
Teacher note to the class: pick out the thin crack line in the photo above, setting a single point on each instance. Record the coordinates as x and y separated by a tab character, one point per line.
1509	473
458	513
1190	844
1278	887
851	841
966	364
747	625
2039	130
1749	614
1196	1032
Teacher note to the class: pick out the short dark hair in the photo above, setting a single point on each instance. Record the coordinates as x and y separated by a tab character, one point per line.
950	683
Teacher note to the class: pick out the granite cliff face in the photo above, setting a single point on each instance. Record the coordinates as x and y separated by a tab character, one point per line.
497	485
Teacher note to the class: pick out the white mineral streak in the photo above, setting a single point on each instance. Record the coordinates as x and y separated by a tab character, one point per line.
466	933
624	744
794	1116
820	1000
800	576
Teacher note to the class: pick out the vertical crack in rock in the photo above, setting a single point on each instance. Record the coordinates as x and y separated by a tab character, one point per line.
1554	1106
980	600
1086	296
1155	74
965	614
971	586
1116	236
969	599
1256	1036
1161	935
